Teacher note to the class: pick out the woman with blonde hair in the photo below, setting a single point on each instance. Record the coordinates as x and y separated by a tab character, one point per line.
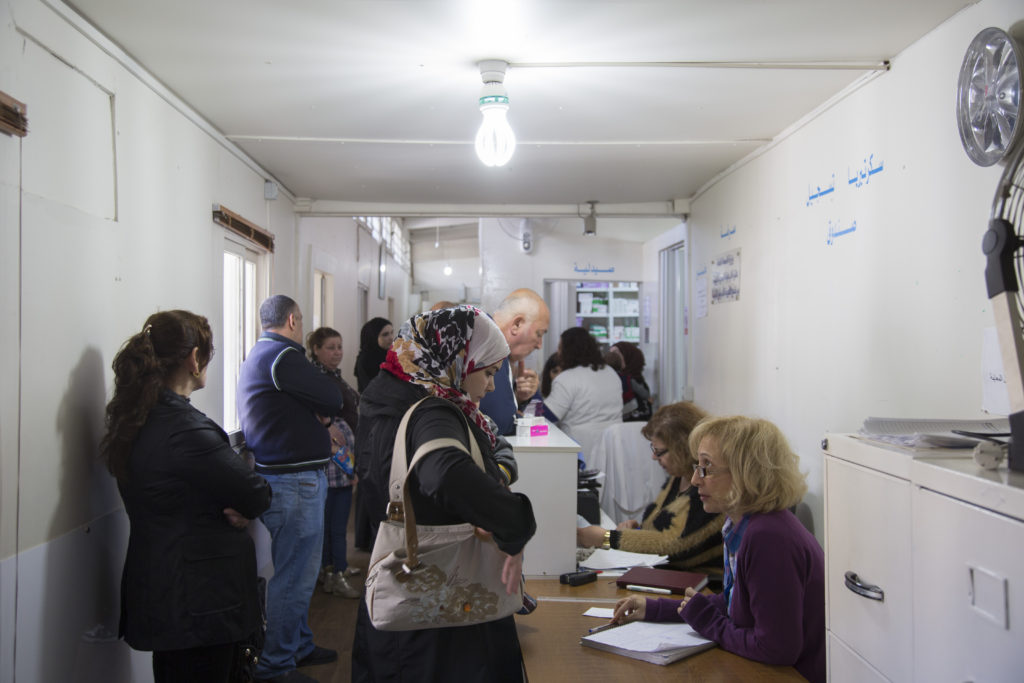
772	607
675	524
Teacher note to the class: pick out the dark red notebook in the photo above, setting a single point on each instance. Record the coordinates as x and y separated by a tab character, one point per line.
668	579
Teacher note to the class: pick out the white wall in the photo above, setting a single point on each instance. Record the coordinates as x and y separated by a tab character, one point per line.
105	210
462	254
560	252
886	320
338	245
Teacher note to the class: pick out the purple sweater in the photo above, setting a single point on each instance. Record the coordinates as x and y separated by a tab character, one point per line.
778	602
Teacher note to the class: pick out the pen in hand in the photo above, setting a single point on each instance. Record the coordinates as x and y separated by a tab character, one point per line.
598	629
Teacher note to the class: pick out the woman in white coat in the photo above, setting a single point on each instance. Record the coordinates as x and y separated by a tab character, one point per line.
586	396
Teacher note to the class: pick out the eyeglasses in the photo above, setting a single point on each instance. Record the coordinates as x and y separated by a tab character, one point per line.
657	453
704	471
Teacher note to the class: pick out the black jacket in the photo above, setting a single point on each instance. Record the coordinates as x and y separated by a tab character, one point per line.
447	487
189	577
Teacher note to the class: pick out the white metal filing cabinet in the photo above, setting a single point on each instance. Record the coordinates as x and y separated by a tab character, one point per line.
924	561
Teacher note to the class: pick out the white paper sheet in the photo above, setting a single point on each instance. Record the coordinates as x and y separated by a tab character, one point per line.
648	636
617	559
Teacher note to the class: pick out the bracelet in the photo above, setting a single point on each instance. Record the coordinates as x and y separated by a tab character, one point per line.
606	544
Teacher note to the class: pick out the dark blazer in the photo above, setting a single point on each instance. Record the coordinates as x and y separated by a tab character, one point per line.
189	577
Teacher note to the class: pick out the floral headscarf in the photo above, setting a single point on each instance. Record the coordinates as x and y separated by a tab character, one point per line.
439	349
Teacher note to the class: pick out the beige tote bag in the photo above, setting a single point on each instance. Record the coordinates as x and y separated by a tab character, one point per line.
432	576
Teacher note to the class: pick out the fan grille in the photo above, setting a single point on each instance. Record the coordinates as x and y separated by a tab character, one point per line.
1009	205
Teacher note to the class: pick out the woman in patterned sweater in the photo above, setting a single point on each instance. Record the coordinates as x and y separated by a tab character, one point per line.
675	524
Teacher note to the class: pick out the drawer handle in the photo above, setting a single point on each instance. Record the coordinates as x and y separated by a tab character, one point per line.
866	590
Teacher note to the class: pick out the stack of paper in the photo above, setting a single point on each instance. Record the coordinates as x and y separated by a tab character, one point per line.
649	641
933	433
620	559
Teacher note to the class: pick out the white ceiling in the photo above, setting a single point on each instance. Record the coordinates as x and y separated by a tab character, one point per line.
358	103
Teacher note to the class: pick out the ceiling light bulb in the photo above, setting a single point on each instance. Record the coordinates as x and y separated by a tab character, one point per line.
447	269
495	141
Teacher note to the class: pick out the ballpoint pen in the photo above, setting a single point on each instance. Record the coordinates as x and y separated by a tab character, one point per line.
598	629
648	589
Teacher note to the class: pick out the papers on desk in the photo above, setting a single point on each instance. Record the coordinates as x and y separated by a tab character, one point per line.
931	433
620	559
658	643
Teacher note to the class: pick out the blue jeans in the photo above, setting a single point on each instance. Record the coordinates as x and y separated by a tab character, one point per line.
295	521
339	503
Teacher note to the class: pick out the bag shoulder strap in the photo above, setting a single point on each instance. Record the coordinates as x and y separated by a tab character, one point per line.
399	505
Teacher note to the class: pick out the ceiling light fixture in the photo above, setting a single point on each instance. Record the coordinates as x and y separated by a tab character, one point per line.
448	269
590	220
495	141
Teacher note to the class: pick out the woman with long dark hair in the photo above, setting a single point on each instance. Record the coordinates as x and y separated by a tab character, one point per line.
587	394
636	395
188	591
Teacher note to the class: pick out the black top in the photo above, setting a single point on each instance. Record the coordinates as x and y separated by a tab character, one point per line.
447	487
189	577
370	355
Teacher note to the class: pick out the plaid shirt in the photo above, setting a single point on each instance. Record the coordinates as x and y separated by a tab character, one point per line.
335	476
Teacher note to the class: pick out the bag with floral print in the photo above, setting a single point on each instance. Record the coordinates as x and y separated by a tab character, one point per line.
432	576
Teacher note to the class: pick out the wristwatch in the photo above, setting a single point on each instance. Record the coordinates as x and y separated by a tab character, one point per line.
606	544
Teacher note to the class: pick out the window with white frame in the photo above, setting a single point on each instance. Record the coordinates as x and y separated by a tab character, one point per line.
323	299
245	286
389	231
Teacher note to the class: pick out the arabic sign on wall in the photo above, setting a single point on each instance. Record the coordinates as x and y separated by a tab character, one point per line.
857	176
591	269
700	292
725	277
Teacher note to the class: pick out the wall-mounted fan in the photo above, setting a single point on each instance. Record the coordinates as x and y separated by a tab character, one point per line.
1003	244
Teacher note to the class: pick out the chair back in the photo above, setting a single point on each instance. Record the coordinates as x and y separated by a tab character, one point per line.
632	477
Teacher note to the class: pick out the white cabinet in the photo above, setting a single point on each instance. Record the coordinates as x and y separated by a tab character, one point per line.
941	542
609	310
867	543
968	589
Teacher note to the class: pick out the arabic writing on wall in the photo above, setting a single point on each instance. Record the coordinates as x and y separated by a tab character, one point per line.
856	177
591	269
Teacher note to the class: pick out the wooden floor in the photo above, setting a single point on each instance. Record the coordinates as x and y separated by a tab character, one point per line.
333	621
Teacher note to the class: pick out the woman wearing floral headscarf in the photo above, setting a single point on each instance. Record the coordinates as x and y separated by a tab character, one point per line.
450	355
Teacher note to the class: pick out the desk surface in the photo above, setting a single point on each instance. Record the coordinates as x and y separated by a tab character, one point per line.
554	441
550	638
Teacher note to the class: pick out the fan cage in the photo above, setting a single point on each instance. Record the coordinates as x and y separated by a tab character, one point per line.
1009	205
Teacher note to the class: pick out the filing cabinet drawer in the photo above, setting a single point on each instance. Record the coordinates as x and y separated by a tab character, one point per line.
867	533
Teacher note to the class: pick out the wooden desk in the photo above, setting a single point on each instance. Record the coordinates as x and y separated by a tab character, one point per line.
550	638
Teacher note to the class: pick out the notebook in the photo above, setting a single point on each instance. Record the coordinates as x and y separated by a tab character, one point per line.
655	642
668	579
